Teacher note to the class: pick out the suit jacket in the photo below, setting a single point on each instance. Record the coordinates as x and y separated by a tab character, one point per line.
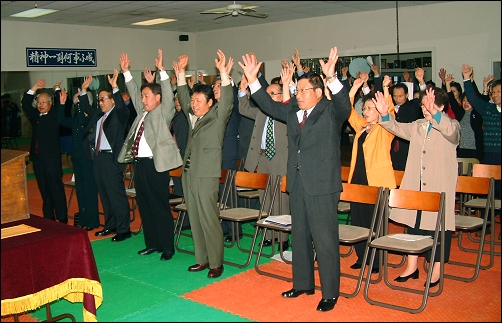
319	163
408	112
205	140
45	131
113	128
280	135
78	123
157	133
179	130
230	149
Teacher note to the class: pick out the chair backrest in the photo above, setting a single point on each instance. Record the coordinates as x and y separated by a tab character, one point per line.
361	193
484	170
398	175
344	173
415	200
465	165
473	185
176	172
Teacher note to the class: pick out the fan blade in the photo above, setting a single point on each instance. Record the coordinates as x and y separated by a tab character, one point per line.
217	10
254	14
227	14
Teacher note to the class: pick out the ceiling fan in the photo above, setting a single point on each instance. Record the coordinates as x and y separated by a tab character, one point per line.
235	9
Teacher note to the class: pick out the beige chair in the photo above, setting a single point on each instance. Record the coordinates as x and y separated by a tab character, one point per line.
464	223
406	244
242	215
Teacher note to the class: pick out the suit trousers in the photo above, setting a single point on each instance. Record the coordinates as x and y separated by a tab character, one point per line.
49	174
87	192
152	193
201	198
109	177
315	222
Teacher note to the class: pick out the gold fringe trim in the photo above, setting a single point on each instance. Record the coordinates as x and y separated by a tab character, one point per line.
89	317
71	290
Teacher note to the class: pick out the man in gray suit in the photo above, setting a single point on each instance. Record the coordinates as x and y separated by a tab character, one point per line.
314	183
268	148
154	150
202	161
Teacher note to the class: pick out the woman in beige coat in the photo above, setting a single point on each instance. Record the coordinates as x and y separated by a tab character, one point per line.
431	167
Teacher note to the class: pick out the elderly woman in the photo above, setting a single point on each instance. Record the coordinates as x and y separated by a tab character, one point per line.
370	163
431	167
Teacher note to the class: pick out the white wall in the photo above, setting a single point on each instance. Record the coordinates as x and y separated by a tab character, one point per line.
456	33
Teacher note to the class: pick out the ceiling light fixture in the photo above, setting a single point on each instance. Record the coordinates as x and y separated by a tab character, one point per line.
153	22
33	13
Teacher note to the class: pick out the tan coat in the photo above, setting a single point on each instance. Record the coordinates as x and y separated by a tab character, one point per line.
431	165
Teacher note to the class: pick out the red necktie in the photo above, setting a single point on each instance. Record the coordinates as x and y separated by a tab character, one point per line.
396	146
304	119
135	145
98	144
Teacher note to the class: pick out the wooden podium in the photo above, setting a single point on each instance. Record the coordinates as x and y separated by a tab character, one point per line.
15	204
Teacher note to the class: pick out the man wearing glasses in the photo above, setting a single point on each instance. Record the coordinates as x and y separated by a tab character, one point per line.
103	140
314	182
268	148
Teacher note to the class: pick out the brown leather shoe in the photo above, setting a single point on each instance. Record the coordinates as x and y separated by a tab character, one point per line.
198	267
215	272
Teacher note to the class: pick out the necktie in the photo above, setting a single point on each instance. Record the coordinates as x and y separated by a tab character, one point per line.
304	119
269	140
98	143
135	145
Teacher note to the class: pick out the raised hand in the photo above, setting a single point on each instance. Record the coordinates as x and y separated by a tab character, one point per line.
200	77
149	76
58	84
297	61
39	85
220	62
174	79
182	63
87	82
374	68
356	85
62	97
244	83
287	74
284	63
124	62
407	77
429	108
442	74
176	68
486	81
419	74
230	65
250	66
113	79
191	81
306	69
467	71
328	68
448	79
386	81
158	60
381	104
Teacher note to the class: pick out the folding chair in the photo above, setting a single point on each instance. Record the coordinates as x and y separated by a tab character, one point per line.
478	203
344	207
277	222
350	234
70	183
238	215
129	174
407	244
474	186
182	213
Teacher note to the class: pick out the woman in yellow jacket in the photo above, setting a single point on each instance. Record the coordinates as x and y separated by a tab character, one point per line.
370	163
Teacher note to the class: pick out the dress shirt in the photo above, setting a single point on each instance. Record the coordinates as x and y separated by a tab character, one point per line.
144	149
264	134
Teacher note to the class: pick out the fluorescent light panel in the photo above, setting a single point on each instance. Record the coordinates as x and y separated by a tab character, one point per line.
33	13
153	22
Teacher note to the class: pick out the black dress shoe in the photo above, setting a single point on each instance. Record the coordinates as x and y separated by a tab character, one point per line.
432	284
89	228
121	236
356	266
285	246
215	272
413	275
148	251
198	267
167	255
267	243
326	304
229	238
104	232
297	292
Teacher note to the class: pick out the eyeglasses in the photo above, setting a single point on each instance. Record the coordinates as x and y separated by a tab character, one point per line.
103	99
368	108
298	91
272	93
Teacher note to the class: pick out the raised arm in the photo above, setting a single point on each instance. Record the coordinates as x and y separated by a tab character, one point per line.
85	85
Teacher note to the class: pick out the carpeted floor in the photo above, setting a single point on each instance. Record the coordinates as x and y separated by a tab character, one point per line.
145	289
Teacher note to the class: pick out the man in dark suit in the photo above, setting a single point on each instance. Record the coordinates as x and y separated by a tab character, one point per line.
155	153
202	162
406	111
45	152
103	140
313	175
